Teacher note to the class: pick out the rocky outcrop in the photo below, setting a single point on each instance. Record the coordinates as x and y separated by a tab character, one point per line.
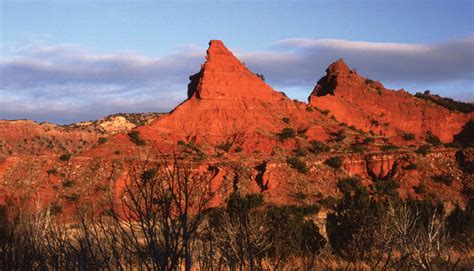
228	102
368	105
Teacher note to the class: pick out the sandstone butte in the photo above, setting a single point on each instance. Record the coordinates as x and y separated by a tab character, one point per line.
233	120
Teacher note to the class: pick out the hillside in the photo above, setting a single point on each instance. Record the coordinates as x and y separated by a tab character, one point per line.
253	137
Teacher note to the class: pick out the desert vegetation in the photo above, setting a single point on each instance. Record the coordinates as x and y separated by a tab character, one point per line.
162	220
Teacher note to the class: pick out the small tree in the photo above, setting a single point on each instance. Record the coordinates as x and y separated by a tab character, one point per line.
334	162
287	133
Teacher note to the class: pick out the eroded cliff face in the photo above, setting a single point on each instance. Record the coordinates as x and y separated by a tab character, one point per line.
368	105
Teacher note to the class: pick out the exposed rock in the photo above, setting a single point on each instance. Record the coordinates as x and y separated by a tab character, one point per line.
368	105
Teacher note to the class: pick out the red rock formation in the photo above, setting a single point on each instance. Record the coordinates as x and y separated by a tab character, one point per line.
229	102
367	105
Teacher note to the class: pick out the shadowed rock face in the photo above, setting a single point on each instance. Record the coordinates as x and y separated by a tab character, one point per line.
368	105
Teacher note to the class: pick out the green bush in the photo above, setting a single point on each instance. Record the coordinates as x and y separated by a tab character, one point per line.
339	135
225	146
291	234
432	139
420	189
318	146
287	133
368	140
411	166
65	157
408	136
446	102
68	183
389	147
334	162
56	209
238	149
286	120
445	179
328	202
300	152
135	138
460	225
369	81
352	224
424	149
74	197
300	195
102	140
52	171
297	164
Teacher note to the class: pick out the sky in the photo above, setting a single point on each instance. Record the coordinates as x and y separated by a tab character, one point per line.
69	61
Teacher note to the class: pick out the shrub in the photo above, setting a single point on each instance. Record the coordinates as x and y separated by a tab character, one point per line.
68	183
328	202
291	234
408	136
455	145
411	166
352	225
261	76
65	157
325	112
135	138
300	195
339	135
300	152
368	140
286	120
102	140
445	179
424	149
447	102
238	149
52	171
297	164
318	146
225	146
334	162
56	209
459	225
420	189
74	197
389	147
287	133
432	139
374	122
357	148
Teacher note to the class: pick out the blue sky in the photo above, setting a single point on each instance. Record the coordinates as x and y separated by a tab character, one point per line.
64	61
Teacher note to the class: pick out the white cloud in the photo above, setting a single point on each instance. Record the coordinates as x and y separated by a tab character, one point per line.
69	82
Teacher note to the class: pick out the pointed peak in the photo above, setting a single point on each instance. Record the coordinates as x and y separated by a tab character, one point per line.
338	67
217	50
223	76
